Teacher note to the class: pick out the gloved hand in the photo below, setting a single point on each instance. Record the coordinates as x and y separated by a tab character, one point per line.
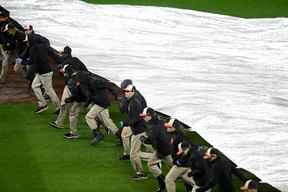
120	124
19	61
69	100
143	139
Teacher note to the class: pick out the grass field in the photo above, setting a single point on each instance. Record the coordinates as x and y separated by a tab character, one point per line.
36	158
240	8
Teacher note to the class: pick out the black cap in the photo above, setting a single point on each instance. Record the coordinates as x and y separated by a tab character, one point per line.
4	12
125	83
67	50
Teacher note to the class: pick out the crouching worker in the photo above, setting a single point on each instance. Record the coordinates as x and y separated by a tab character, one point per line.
157	135
135	105
70	66
40	71
182	166
222	170
97	93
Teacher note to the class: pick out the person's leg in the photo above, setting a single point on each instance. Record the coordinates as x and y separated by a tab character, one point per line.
135	153
107	121
36	84
92	123
5	64
172	176
155	169
74	116
64	107
46	80
126	136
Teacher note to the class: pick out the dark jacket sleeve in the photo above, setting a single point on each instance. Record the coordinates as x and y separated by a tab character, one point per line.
16	24
133	114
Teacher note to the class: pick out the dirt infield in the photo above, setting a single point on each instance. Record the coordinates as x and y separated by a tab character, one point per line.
16	89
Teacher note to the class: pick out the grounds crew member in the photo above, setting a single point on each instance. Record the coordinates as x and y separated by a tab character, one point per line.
182	162
157	135
222	169
68	67
37	48
7	42
97	92
176	136
125	131
136	104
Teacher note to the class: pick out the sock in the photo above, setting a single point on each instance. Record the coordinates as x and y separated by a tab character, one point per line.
161	181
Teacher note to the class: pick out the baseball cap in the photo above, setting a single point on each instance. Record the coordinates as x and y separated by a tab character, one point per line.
146	110
4	12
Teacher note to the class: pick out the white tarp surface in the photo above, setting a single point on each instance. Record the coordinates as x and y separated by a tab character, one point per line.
226	77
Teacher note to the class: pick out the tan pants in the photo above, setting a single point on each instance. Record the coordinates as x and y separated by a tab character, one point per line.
6	57
135	153
177	172
99	113
154	168
46	81
73	109
126	136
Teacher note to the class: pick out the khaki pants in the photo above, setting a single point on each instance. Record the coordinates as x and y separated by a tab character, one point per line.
46	81
126	136
154	168
97	112
135	153
177	172
73	109
6	57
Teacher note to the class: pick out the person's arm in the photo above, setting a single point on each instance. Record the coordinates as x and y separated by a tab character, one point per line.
133	114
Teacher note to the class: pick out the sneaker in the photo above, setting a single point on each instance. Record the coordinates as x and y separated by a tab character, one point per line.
139	176
124	157
99	136
41	109
71	135
54	124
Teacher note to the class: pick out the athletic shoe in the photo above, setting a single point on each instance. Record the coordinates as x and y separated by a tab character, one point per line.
139	176
54	124
71	135
124	157
99	136
41	109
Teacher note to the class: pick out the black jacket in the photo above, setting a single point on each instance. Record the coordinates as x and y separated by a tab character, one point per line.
176	137
73	64
159	138
93	89
136	104
38	54
221	175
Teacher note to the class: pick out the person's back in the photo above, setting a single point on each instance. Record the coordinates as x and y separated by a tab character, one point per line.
159	138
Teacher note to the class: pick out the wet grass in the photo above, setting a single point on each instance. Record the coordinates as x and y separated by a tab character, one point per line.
239	8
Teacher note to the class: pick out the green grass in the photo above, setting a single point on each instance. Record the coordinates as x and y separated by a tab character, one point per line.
240	8
36	158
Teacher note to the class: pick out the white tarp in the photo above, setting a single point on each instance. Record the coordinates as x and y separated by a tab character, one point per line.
224	76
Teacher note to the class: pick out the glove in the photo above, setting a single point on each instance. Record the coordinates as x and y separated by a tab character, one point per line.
19	61
69	100
143	139
120	124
